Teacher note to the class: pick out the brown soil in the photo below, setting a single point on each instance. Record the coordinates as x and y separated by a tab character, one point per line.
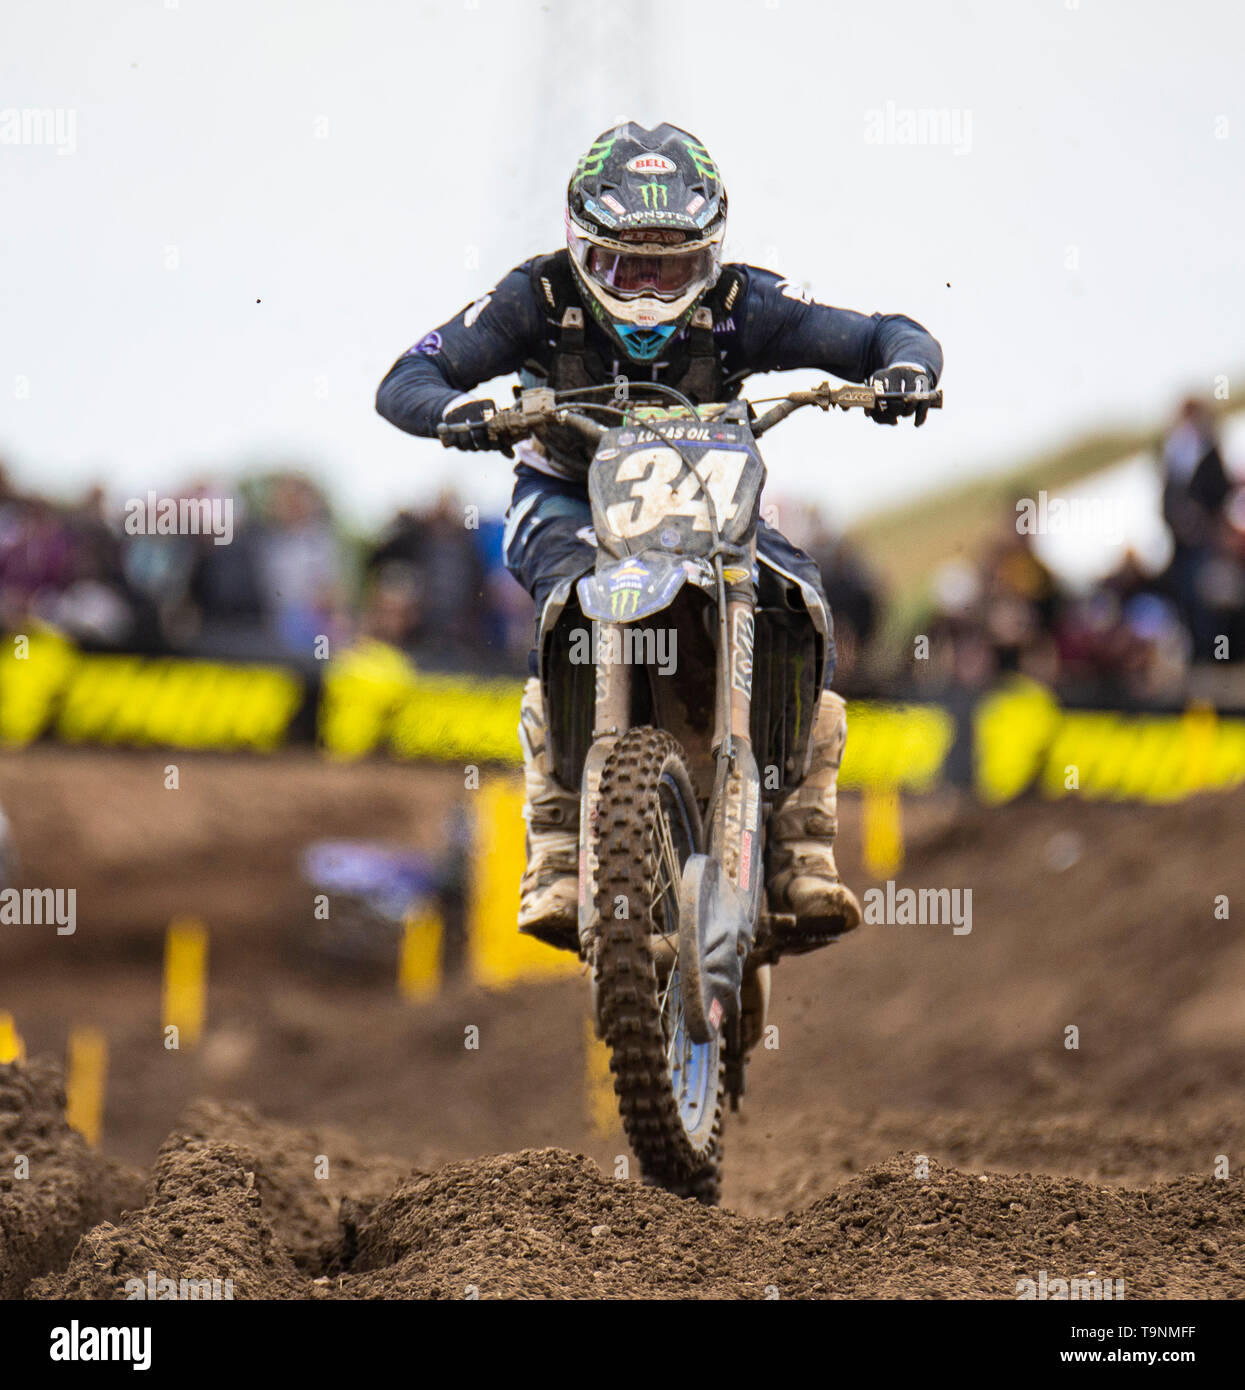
899	1042
233	1198
52	1187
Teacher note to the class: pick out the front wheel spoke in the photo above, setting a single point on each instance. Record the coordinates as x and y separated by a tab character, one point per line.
669	854
657	892
678	1065
665	994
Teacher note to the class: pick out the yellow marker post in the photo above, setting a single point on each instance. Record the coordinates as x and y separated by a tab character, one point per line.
185	979
12	1048
602	1105
1201	729
419	956
497	954
883	831
86	1078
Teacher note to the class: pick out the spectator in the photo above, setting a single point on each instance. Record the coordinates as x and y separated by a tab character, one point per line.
442	556
300	567
1195	487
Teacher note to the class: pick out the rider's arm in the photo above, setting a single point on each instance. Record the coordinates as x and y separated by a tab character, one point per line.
783	328
491	337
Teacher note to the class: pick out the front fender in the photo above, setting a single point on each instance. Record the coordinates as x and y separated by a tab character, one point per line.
631	589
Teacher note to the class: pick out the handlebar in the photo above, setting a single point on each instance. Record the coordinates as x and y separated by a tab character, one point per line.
539	407
536	408
826	397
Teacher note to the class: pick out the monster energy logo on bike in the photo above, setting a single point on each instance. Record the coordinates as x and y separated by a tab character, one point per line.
656	195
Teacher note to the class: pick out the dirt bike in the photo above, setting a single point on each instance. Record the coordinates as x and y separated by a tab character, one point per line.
678	768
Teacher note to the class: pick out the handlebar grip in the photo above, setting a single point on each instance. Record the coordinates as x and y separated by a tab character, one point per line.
586	427
932	399
445	433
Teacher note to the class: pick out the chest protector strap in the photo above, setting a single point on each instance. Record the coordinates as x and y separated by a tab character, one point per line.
570	369
701	379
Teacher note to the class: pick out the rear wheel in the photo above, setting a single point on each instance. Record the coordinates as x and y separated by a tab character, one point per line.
669	1088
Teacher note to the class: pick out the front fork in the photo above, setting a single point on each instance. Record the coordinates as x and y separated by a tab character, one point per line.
736	839
612	720
735	807
734	813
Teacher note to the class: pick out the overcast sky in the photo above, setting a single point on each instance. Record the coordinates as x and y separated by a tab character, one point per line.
251	207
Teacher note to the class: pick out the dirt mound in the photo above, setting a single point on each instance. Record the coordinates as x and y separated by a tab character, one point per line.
52	1187
234	1198
302	1177
205	1219
891	1234
901	1040
547	1224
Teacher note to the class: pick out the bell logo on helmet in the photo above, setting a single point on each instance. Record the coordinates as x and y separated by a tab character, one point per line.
651	164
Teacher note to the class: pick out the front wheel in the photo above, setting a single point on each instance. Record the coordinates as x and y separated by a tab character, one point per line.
669	1088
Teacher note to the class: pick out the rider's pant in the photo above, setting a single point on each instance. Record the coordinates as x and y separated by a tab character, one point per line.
546	540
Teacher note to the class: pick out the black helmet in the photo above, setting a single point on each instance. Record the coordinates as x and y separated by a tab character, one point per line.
645	217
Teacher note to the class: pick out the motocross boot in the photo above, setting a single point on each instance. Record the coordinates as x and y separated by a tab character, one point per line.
802	876
549	890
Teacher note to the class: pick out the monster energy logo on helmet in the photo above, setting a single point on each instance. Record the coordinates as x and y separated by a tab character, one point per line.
646	213
700	158
591	164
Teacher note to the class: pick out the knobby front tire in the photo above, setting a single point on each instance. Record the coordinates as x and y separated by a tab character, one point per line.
670	1090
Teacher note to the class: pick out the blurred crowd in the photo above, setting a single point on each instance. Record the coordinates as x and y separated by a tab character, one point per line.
292	585
1132	636
289	585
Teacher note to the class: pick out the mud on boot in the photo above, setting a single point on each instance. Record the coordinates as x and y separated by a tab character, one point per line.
803	879
549	889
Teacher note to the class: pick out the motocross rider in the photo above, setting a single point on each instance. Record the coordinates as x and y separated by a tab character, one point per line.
645	218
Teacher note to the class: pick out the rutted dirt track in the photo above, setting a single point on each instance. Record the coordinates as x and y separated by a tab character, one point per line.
903	1041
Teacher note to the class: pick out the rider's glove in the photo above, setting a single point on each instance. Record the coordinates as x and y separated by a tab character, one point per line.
892	384
476	415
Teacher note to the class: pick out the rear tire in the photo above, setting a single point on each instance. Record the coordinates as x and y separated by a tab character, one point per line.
669	1089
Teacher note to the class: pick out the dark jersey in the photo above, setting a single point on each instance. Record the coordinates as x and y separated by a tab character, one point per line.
761	323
